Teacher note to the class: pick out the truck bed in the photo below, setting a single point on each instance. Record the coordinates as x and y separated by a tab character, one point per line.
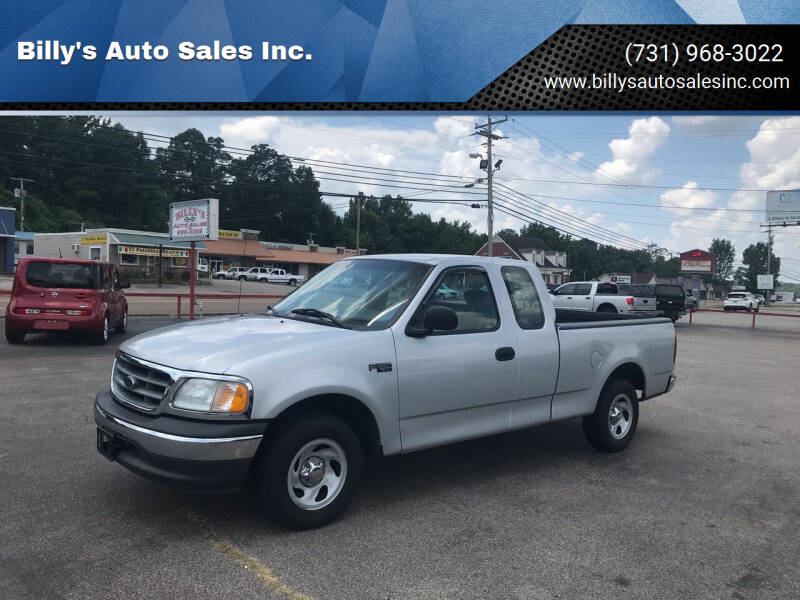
581	319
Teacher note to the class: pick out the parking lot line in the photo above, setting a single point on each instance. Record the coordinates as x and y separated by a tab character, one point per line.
252	564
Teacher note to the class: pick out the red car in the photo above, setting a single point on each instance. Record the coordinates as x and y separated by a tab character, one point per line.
54	294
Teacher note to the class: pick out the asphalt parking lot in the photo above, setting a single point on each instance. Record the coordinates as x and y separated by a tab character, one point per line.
703	504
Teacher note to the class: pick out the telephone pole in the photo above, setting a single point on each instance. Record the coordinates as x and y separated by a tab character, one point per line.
21	188
485	130
358	222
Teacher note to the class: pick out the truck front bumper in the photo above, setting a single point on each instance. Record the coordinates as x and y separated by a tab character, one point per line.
191	455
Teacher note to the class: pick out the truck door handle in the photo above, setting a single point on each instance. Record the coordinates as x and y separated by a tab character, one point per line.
588	298
505	353
569	297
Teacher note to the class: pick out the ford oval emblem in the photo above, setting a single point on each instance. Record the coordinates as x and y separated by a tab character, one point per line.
54	294
129	381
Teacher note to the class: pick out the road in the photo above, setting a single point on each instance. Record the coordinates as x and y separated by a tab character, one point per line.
703	504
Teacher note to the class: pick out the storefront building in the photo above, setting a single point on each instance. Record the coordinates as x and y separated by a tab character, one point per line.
135	252
243	249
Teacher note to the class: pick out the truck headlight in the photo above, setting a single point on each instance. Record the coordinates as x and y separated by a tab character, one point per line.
212	396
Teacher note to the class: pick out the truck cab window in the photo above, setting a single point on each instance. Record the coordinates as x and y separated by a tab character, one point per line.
583	289
524	298
606	288
566	290
468	292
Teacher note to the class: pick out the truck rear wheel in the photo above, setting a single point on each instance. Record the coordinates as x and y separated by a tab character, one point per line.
310	469
611	427
606	308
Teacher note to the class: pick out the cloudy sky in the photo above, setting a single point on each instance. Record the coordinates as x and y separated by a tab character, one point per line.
678	181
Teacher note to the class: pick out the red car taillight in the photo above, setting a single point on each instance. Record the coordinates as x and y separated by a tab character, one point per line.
629	300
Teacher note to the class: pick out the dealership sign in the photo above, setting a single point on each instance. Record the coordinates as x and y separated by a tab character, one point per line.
194	220
764	282
227	234
783	206
150	251
697	262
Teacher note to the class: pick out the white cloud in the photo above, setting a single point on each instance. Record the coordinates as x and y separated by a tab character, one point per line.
687	197
251	130
774	163
632	155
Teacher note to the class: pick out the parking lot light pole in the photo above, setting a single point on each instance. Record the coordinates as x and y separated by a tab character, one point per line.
191	281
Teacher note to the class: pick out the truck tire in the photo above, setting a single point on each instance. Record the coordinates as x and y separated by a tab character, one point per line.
13	336
293	282
611	427
242	278
606	308
309	471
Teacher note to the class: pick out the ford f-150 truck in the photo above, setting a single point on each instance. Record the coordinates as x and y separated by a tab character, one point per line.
598	296
369	359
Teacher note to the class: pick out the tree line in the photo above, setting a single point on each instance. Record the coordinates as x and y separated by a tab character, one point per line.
88	171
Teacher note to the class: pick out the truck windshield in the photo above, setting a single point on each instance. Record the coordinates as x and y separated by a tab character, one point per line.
360	294
62	275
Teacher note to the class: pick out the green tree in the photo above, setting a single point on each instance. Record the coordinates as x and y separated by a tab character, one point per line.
754	259
725	254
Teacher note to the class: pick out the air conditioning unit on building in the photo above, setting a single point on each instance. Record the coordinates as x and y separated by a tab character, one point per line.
76	247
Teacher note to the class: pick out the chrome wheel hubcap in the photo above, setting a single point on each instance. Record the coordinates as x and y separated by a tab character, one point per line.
620	416
311	471
317	474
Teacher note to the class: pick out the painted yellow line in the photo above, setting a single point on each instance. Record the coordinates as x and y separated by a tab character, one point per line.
250	563
258	569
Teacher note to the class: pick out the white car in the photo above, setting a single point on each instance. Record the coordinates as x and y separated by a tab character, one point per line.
257	273
230	273
741	301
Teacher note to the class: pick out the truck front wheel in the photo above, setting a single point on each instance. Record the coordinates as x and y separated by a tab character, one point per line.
611	427
310	469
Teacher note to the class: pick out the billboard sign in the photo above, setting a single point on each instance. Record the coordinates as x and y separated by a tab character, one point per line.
783	206
697	262
764	282
194	220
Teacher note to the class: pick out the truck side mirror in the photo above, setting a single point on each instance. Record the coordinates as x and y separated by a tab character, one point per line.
437	318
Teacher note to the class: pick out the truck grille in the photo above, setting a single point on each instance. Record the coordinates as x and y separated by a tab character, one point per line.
137	384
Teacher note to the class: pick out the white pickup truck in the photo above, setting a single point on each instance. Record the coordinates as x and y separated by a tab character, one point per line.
369	359
598	296
281	276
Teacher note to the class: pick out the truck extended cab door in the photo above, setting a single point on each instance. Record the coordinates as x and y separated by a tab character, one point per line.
457	384
536	349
